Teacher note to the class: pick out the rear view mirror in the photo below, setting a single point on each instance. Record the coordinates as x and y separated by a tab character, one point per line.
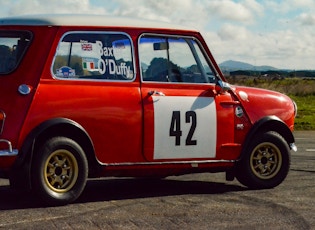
160	46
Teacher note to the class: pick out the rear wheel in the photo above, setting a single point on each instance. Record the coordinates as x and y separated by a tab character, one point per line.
266	162
59	172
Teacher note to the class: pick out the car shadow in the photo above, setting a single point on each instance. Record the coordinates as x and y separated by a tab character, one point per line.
121	189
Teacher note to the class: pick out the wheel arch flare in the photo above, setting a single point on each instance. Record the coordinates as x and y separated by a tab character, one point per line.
50	128
270	123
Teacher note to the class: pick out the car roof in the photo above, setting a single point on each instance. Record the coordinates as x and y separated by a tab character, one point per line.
88	20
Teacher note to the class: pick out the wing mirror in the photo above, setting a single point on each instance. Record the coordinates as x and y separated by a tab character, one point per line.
222	86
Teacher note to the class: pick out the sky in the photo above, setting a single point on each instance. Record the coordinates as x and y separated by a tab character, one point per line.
278	33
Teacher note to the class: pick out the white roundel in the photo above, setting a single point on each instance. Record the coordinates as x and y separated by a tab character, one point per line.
184	127
243	96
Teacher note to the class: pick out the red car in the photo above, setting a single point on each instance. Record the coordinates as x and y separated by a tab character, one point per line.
92	96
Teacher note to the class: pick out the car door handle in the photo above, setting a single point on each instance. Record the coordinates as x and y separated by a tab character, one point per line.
153	92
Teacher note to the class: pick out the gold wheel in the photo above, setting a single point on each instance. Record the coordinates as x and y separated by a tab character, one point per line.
61	171
265	160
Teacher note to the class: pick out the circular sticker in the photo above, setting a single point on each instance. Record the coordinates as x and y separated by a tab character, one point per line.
239	111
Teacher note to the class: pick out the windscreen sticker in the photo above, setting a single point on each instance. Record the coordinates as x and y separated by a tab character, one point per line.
65	72
85	46
184	127
90	64
108	64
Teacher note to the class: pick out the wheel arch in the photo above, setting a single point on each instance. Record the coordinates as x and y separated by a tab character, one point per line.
270	123
50	128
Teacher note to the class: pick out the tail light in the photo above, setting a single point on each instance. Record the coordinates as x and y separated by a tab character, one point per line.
2	120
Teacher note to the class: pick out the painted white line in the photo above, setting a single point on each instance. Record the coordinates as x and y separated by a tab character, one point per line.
310	150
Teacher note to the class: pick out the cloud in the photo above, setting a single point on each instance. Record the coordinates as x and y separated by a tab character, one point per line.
254	6
186	12
233	32
306	19
288	6
281	49
21	7
244	11
268	32
301	3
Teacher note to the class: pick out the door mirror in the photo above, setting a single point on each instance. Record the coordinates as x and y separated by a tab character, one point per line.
222	86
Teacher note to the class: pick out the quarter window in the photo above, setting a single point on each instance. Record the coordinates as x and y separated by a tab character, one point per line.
12	48
170	59
103	56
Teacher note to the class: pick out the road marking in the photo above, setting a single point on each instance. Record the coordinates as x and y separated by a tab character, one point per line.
310	150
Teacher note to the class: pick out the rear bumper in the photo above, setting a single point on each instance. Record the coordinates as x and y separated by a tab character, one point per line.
9	151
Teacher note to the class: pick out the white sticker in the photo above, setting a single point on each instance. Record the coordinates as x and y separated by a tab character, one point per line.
184	127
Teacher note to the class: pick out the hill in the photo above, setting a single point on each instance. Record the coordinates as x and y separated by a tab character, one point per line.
231	65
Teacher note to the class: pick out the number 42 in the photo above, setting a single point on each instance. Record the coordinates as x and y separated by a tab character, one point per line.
175	128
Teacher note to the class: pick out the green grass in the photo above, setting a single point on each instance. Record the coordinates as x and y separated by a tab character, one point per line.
302	91
305	119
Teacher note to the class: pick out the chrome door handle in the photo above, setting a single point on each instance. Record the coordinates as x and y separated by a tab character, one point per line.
153	92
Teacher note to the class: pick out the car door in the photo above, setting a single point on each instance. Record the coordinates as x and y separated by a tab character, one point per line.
180	103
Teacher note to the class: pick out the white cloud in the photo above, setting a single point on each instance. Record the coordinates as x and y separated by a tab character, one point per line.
306	19
243	11
282	49
302	3
268	32
233	32
256	7
187	12
21	7
290	5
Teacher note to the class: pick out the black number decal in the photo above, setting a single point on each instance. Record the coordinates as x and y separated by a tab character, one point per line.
191	115
175	128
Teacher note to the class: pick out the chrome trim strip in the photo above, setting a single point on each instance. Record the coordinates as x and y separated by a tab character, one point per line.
169	162
10	151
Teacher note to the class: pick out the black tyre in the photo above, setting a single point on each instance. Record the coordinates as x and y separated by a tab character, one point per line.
265	163
59	171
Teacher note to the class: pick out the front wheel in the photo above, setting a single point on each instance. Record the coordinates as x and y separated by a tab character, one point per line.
59	172
265	163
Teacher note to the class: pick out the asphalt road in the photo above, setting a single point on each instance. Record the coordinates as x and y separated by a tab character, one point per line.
200	201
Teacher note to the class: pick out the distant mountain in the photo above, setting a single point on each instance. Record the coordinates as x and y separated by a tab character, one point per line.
231	65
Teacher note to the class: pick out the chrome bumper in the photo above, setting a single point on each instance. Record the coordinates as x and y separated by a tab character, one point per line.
9	151
293	147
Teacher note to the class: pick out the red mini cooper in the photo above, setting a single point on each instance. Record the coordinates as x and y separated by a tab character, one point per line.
91	96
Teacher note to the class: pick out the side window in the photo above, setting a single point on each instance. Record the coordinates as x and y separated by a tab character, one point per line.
13	45
89	55
169	59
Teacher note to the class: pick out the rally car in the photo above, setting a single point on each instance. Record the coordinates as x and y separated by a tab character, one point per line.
93	96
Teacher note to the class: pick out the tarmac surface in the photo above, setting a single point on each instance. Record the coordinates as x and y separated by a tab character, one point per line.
199	201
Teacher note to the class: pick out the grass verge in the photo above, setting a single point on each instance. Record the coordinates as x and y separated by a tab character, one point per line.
305	119
302	91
